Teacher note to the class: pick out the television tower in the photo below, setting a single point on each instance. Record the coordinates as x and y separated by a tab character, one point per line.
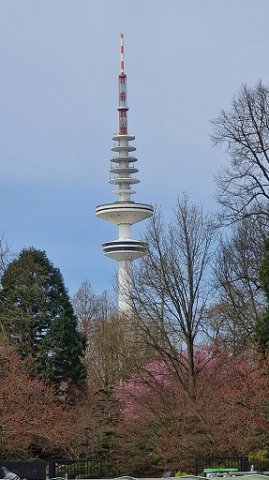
124	212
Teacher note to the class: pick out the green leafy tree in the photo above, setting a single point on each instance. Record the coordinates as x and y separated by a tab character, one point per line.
37	315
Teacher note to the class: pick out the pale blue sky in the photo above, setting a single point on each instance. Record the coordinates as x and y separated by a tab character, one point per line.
59	62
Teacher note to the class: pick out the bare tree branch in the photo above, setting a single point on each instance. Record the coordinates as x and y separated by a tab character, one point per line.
233	317
172	285
243	188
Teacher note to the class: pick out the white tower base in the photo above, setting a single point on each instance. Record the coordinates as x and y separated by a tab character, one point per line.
125	287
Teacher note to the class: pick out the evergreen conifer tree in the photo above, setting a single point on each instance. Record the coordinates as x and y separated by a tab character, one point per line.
37	315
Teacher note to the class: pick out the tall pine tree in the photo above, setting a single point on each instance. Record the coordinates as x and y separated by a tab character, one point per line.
37	315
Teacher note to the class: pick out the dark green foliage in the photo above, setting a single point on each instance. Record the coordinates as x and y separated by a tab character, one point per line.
262	324
264	269
262	333
37	315
64	345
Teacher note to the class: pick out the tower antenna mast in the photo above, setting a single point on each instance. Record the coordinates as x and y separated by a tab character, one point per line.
121	54
122	108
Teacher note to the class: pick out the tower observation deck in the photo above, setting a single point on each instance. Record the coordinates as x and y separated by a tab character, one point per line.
124	212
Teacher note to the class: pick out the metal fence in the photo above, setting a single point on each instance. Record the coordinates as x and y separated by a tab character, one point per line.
94	467
34	470
259	460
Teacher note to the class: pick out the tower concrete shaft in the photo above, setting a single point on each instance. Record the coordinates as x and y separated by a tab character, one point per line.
124	212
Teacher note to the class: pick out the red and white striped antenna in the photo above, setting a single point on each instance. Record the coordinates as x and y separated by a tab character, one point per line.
122	108
121	54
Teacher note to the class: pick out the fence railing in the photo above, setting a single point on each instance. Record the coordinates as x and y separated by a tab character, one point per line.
259	461
94	467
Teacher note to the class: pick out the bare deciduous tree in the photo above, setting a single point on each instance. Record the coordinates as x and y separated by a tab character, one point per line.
89	306
232	318
6	254
244	131
171	287
110	342
85	303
